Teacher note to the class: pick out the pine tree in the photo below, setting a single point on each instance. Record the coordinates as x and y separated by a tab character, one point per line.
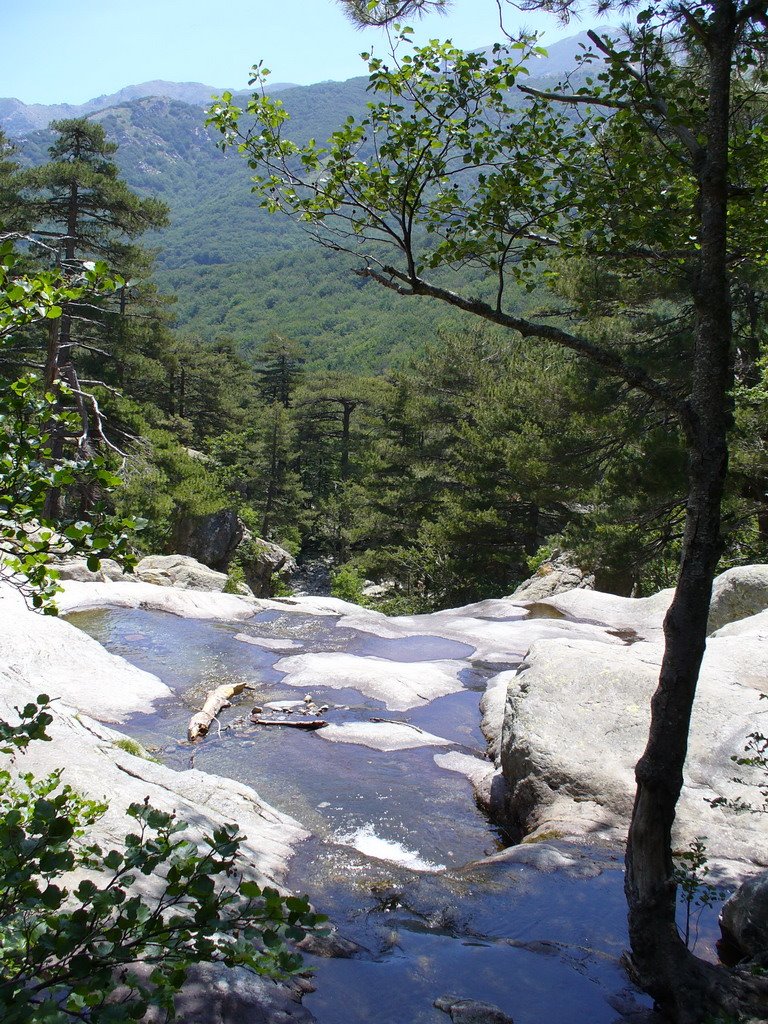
80	195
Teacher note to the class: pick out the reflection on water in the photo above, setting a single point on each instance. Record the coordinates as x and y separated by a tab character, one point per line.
542	947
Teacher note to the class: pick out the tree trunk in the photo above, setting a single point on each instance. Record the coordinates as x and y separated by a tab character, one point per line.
686	988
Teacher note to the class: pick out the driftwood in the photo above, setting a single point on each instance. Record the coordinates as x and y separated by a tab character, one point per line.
215	701
296	723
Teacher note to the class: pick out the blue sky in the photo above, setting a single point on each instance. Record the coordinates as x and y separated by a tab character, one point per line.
60	51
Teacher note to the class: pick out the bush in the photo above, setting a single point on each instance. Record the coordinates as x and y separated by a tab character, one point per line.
347	585
70	946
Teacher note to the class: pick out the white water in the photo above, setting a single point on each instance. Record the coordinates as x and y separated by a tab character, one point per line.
365	841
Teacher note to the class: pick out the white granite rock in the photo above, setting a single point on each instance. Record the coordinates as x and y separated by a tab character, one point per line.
399	685
56	658
189	604
381	735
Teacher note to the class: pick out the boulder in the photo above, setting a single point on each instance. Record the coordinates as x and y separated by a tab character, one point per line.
554	576
210	539
744	918
737	594
260	561
77	569
576	721
179	571
471	1011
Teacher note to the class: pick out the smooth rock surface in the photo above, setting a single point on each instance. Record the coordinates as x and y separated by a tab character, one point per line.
738	593
399	685
381	735
576	722
190	604
56	658
754	625
77	569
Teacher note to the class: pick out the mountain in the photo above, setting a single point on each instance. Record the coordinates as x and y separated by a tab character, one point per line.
18	118
237	271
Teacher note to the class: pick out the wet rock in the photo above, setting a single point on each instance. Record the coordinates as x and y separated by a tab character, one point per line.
189	604
382	735
738	593
470	1011
554	576
744	918
333	946
399	685
180	571
487	782
279	646
210	539
284	705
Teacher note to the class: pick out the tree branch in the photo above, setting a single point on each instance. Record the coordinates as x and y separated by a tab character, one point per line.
634	376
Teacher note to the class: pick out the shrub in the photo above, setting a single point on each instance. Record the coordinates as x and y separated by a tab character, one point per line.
70	946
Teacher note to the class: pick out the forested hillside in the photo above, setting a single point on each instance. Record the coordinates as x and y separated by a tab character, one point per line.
250	368
236	271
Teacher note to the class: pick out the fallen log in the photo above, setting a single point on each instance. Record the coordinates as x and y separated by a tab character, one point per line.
215	701
310	723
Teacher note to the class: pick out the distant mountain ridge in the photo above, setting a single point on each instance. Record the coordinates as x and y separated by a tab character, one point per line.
238	272
18	118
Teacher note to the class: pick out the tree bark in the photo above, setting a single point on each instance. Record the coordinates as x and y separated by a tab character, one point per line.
686	988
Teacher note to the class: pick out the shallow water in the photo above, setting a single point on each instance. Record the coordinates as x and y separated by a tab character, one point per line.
395	837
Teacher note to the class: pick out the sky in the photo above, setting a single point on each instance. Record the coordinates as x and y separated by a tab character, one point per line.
70	51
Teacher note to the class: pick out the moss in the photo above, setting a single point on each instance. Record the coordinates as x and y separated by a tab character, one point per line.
544	837
133	747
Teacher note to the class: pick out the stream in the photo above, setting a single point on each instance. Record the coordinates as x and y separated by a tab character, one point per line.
396	856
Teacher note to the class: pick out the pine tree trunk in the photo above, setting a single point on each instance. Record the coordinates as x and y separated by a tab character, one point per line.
686	988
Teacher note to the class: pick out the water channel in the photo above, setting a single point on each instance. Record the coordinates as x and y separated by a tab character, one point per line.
398	858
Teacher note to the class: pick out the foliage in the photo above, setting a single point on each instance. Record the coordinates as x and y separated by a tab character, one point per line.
101	949
755	756
347	584
693	888
27	470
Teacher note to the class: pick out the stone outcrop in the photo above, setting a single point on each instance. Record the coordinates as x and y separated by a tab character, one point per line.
260	561
190	604
210	539
737	594
179	571
576	721
52	656
554	576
